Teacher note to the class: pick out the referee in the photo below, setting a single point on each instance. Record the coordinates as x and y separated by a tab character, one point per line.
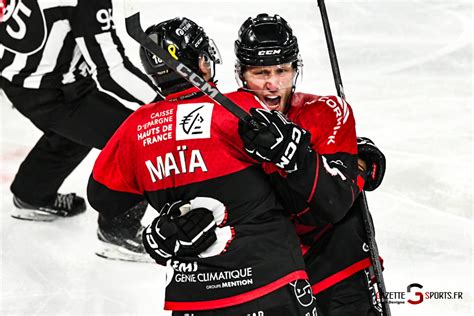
63	66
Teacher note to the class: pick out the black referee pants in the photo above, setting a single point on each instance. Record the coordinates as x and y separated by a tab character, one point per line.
74	119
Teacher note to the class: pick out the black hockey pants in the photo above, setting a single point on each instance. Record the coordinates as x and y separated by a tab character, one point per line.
74	118
294	299
349	297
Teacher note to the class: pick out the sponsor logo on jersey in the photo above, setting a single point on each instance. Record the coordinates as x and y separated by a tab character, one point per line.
178	266
184	266
193	121
342	112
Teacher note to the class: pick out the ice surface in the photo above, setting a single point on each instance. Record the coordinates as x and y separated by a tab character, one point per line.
407	71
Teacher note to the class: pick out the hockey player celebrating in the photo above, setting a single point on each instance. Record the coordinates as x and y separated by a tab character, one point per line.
318	188
187	148
51	52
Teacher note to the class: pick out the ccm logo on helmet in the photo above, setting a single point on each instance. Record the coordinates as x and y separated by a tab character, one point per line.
269	52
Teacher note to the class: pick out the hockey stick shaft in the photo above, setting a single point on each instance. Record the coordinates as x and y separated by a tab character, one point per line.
361	200
135	30
331	49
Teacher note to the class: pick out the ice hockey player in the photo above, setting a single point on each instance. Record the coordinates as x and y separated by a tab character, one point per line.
187	148
320	188
51	52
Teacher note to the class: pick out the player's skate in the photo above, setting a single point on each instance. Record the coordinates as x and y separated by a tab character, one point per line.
65	205
120	238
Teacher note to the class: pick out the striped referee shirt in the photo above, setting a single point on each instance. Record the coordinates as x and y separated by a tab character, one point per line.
50	43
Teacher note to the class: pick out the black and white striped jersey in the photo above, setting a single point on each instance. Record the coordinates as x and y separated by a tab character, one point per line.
50	43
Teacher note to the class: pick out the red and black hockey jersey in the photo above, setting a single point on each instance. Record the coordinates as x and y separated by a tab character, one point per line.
178	149
327	182
320	194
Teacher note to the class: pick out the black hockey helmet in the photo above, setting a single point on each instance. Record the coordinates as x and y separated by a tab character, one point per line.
186	42
266	41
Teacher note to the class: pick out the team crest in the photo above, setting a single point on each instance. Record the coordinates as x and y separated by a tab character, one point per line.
303	292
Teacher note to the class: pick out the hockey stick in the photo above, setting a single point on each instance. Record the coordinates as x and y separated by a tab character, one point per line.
135	30
361	199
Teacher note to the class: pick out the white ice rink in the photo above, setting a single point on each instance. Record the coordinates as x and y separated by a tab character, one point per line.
408	73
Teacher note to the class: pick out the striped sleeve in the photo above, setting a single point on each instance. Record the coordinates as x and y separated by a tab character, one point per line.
95	35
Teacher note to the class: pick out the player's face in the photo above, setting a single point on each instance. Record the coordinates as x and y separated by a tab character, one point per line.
271	84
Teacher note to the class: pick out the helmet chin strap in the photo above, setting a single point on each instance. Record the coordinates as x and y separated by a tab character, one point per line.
213	73
290	97
288	101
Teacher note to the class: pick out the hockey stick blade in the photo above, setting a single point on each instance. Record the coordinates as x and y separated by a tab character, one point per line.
135	30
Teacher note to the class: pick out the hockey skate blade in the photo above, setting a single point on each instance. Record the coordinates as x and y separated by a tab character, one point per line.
33	215
114	252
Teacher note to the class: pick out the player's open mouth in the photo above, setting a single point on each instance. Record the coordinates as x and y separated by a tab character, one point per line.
272	100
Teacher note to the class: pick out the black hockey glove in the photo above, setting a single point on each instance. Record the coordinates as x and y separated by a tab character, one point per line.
278	140
179	231
375	161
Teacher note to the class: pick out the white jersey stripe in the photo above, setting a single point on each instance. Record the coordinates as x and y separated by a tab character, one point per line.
85	52
47	4
121	75
69	76
58	33
58	61
19	62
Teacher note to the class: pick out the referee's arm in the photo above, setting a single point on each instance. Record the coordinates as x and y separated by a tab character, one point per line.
94	31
